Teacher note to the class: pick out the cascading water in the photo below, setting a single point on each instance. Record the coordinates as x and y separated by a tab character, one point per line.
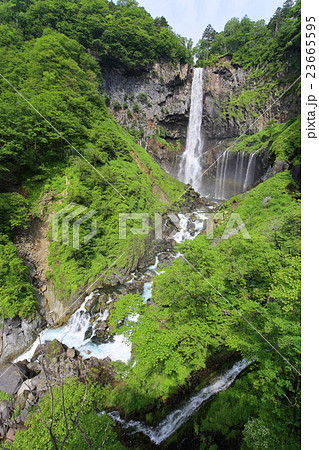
250	171
73	333
179	416
235	172
190	167
221	173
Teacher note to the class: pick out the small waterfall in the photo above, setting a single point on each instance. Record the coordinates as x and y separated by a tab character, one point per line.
190	167
179	416
239	172
223	189
237	168
249	179
221	172
235	172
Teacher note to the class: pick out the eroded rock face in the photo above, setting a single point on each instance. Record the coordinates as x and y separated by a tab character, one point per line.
16	335
158	102
160	97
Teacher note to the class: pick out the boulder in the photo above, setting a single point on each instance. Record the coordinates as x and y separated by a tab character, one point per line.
266	200
3	430
12	377
16	335
6	413
11	434
26	386
70	353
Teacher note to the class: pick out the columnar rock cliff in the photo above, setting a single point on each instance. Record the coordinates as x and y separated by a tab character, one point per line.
155	107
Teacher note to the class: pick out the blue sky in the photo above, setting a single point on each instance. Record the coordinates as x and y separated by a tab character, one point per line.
190	17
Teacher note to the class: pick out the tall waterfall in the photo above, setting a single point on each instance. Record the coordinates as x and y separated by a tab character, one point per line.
190	167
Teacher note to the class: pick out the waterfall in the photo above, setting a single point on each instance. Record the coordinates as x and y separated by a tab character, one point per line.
190	167
221	172
239	172
179	416
237	168
235	172
250	171
223	188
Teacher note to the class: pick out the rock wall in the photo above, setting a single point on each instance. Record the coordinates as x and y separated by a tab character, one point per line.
161	98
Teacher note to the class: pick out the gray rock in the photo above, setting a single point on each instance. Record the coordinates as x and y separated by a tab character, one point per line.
266	200
3	430
3	405
11	434
17	335
6	413
26	386
11	377
70	353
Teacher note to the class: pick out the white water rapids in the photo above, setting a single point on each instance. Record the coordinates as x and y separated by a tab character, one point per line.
73	332
179	416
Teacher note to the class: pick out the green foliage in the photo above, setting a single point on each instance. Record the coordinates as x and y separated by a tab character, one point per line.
123	33
17	296
168	145
13	212
55	73
190	321
36	436
246	101
126	311
287	146
136	108
116	105
142	98
282	140
5	396
254	44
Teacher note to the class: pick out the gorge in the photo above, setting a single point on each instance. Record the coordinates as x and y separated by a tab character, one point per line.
182	337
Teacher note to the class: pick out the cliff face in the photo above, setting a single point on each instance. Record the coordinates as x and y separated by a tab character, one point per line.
159	98
156	105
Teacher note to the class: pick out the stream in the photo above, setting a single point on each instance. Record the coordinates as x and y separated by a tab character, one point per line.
173	421
73	333
80	330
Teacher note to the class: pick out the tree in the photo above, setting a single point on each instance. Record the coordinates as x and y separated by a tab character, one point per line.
161	22
209	34
66	416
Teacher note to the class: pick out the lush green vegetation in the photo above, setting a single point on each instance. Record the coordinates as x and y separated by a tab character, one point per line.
17	296
122	33
66	406
282	140
56	74
190	321
270	55
49	52
255	44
